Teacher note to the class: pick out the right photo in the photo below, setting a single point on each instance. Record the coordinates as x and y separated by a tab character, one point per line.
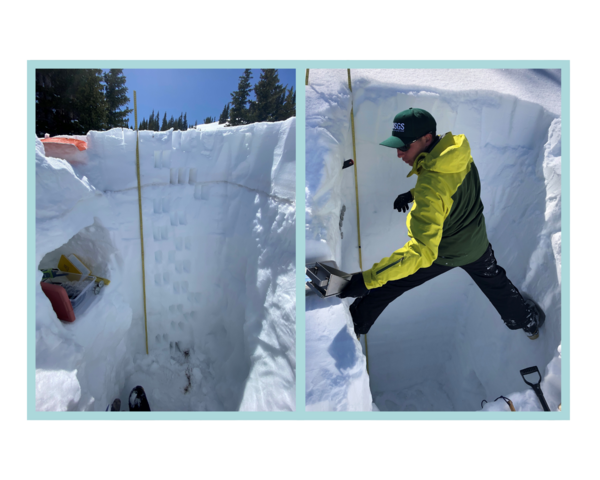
433	240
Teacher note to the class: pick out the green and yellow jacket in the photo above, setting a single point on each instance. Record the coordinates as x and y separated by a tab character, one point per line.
446	223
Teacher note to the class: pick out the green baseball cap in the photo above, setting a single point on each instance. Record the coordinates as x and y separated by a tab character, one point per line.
408	126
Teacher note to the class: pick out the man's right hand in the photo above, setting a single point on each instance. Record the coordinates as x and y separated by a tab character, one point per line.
401	203
355	288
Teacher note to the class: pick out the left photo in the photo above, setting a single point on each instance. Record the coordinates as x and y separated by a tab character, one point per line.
165	240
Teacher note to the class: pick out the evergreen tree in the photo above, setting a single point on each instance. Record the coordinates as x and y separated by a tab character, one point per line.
115	93
289	106
185	124
70	101
270	96
90	102
151	121
210	120
224	115
164	123
238	113
171	123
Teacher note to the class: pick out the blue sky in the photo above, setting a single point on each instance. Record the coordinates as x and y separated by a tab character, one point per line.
198	92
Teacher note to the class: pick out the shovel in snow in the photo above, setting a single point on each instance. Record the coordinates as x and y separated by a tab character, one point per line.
536	386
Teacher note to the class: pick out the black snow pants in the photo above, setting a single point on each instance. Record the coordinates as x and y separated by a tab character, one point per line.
488	275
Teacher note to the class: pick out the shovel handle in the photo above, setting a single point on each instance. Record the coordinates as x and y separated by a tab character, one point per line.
540	395
529	371
536	386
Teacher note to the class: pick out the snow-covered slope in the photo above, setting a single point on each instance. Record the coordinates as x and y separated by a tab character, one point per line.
219	231
441	346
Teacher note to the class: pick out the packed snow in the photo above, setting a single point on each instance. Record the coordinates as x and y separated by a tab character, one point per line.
219	239
441	346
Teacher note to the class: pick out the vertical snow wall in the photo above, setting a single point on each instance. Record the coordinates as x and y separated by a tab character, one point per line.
219	232
441	346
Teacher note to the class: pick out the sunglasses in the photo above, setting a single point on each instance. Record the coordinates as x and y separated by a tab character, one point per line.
406	147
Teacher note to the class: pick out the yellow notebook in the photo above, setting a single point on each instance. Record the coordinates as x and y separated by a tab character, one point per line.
74	265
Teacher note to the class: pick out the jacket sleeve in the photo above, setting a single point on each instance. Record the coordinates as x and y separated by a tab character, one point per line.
432	204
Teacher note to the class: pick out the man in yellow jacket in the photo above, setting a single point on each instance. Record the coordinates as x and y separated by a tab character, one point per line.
446	227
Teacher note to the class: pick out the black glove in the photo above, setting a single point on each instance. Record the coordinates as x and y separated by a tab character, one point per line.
356	287
401	203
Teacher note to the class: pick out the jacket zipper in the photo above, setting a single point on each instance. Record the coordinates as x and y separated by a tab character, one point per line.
388	266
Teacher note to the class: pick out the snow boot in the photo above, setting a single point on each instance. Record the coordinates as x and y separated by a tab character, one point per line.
115	406
535	318
138	401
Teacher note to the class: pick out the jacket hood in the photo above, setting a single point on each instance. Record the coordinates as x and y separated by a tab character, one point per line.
452	154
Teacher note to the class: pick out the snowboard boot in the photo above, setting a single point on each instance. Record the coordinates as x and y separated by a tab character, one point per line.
355	332
138	401
535	318
115	406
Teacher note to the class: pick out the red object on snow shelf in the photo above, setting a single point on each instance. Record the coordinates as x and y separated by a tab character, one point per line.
60	301
80	144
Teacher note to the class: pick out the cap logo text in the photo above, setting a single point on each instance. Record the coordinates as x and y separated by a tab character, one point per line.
398	127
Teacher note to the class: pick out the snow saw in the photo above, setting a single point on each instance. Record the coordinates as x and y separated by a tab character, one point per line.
326	280
536	386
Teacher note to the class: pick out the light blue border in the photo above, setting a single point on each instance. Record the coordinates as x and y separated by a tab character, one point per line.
300	66
300	241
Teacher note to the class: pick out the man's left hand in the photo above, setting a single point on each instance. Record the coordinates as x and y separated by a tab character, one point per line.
355	288
401	203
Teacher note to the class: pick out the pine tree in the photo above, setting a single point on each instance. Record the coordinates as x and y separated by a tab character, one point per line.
90	103
224	115
164	123
54	91
210	120
238	113
151	121
70	101
269	97
289	106
115	93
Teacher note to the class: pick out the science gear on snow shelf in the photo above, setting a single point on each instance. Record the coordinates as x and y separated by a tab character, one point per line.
69	289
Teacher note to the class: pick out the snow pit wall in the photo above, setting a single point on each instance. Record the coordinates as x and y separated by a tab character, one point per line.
219	232
441	346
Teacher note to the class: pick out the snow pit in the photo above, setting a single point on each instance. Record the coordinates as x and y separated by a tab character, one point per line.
441	346
219	239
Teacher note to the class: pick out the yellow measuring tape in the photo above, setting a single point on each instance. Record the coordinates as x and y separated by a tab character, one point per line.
137	164
356	190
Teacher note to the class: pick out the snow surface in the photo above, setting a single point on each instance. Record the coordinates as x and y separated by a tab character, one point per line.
219	239
442	346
